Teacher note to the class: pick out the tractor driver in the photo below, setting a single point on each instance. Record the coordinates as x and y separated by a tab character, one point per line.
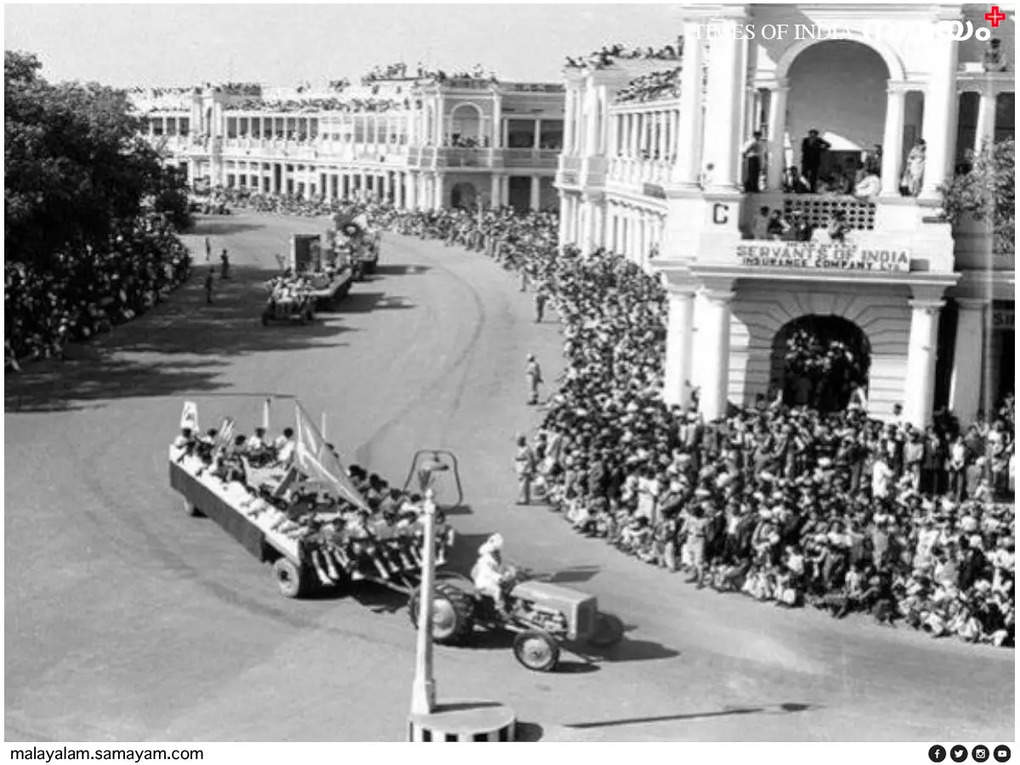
490	574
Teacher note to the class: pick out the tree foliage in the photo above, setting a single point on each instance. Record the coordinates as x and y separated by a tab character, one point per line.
987	193
75	163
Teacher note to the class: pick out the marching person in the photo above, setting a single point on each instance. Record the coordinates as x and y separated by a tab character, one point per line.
224	264
208	249
533	373
209	287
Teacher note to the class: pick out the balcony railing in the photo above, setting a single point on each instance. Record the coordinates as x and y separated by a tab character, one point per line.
627	170
545	158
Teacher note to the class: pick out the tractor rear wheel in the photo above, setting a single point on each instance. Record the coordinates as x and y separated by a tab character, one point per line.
453	613
608	631
536	650
288	578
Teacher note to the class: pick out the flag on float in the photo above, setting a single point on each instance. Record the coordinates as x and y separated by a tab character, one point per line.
189	416
224	434
316	460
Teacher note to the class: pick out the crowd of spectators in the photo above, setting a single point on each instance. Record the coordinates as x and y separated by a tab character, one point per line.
782	503
318	104
651	87
83	292
607	55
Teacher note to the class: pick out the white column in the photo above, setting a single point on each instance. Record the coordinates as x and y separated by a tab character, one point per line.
440	191
688	142
591	141
985	132
566	212
538	134
777	133
713	327
892	139
569	123
536	190
725	94
494	187
385	185
939	129
439	122
919	385
411	182
679	345
965	382
497	121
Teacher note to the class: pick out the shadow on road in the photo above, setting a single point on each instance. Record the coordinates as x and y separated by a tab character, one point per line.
528	731
182	344
392	269
224	225
725	712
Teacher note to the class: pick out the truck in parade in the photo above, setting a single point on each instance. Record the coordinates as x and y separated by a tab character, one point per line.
292	503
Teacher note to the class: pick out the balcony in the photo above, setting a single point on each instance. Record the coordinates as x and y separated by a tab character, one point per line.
529	158
569	172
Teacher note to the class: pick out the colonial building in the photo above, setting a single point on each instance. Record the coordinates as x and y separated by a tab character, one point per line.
422	142
653	167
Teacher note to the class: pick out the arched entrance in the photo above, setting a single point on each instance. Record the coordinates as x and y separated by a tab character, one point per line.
838	87
817	359
466	126
463	195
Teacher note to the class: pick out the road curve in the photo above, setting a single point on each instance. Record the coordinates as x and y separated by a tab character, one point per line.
128	620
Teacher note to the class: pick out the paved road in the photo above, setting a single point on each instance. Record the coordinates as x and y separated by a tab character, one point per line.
128	620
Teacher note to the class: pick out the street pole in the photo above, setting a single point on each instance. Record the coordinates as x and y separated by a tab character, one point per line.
423	691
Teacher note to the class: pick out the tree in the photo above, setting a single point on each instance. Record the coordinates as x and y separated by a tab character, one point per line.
75	163
987	193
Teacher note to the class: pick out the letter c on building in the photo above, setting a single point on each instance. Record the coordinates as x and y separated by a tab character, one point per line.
719	211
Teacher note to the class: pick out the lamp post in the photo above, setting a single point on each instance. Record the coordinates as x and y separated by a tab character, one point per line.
423	690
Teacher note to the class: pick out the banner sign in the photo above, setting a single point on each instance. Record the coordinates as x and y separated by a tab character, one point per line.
1003	319
834	256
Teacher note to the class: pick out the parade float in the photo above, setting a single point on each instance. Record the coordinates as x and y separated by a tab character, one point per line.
292	504
356	242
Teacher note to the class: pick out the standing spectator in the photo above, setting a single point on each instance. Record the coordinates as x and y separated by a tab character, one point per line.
208	249
524	465
753	153
533	374
224	264
913	173
209	287
992	59
811	150
541	296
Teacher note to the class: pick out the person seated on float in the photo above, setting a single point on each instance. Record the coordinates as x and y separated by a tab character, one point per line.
312	543
185	444
285	445
490	574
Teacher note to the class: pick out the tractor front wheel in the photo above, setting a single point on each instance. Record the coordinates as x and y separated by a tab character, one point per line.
288	578
453	613
608	631
537	651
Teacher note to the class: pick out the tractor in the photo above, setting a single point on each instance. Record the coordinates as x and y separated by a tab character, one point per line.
544	616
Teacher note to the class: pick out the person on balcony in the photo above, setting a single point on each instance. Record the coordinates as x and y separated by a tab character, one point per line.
868	186
913	174
812	149
992	60
753	153
794	182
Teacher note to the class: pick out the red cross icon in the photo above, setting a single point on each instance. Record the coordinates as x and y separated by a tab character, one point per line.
995	17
